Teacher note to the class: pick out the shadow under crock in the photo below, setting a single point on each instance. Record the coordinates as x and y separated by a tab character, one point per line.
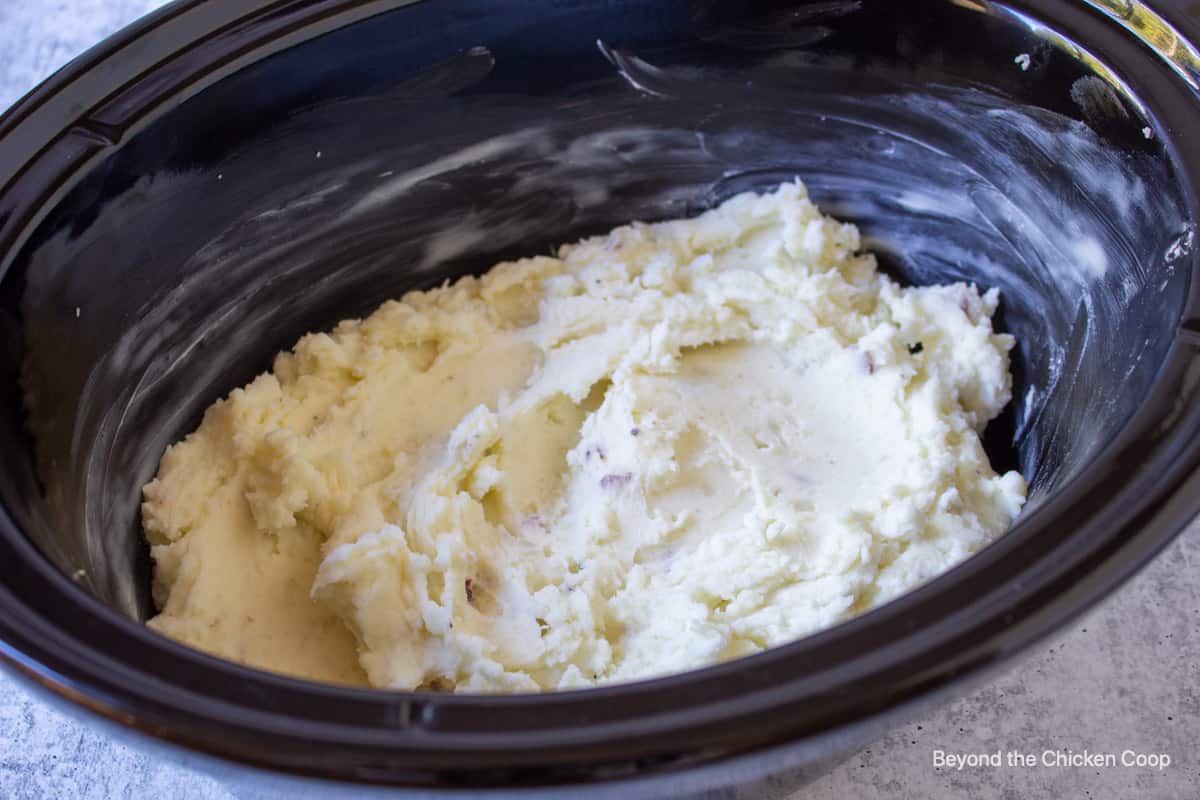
427	142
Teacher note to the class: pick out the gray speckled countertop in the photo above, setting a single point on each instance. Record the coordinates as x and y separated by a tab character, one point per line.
1125	677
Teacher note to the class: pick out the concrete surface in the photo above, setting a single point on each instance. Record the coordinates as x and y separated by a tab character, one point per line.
1126	677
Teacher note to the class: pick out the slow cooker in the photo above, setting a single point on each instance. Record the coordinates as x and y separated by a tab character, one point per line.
196	192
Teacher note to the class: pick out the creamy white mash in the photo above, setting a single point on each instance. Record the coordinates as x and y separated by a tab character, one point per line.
672	445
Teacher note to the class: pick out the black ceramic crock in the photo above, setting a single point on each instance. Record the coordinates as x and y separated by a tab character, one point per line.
195	193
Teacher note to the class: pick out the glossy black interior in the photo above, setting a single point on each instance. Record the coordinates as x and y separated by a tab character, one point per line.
401	151
969	141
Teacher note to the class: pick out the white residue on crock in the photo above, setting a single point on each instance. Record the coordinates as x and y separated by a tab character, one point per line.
923	201
482	151
310	198
456	239
1088	254
636	72
1181	245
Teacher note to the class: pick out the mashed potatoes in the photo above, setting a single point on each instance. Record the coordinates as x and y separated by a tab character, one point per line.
672	445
